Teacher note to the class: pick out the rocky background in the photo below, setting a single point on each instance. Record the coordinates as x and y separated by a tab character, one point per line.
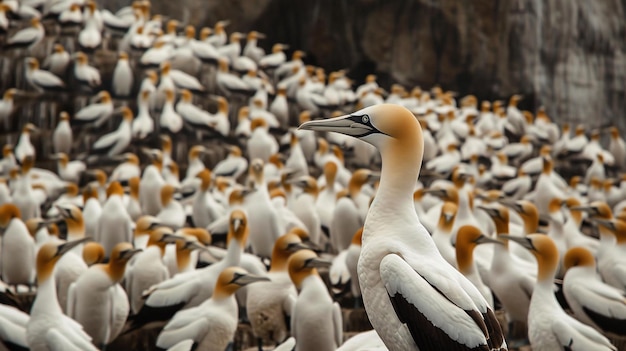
568	55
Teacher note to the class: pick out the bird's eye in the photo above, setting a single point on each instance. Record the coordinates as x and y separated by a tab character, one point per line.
365	119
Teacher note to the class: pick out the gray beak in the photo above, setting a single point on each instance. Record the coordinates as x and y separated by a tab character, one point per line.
525	242
316	263
64	248
343	124
246	279
487	240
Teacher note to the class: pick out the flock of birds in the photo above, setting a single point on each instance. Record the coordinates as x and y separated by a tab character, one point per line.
511	212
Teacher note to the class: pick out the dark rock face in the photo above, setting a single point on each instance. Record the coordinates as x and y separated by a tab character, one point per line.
568	55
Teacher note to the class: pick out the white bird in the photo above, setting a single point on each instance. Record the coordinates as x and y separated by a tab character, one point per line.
274	59
261	143
71	16
148	268
97	301
234	165
114	225
24	194
90	37
181	79
122	83
24	147
549	327
263	217
62	135
219	37
251	49
6	107
13	326
593	302
117	141
96	113
172	213
41	80
69	171
27	37
228	82
170	120
304	206
269	303
150	185
143	124
86	74
212	324
193	116
17	255
411	293
314	306
48	328
157	54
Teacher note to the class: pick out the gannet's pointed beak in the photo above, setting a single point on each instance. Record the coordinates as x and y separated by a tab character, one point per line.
355	126
64	248
525	242
317	263
487	240
245	279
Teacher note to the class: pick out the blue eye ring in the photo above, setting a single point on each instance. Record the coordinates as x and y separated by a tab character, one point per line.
365	119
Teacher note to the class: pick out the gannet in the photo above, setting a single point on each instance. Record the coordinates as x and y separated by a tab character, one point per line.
62	135
70	16
68	171
115	142
186	257
610	255
170	120
17	256
395	244
122	83
442	235
147	269
96	113
508	278
219	37
315	319
143	124
212	324
24	147
205	209
193	116
467	239
180	79
90	36
172	213
280	108
327	197
48	328
269	304
28	37
114	225
549	327
92	209
41	80
151	183
261	143
144	226
234	165
276	58
251	49
13	327
219	120
263	217
71	265
593	302
84	73
24	193
304	206
6	107
58	62
195	164
97	301
228	82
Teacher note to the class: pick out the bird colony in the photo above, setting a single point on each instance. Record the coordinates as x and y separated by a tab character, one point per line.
189	189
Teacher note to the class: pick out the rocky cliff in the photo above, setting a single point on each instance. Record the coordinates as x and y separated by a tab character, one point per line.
569	55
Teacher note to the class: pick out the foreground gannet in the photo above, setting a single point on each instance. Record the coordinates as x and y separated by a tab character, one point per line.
13	328
48	328
97	301
413	297
549	327
211	325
